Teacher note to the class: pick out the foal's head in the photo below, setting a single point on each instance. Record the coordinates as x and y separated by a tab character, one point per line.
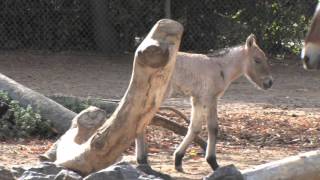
311	51
256	67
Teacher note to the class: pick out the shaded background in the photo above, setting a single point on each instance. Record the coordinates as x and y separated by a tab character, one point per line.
117	26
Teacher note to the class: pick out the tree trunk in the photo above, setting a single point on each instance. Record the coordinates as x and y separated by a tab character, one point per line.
105	34
46	107
304	166
153	65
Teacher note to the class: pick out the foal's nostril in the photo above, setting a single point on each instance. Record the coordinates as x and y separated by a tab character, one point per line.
267	84
270	83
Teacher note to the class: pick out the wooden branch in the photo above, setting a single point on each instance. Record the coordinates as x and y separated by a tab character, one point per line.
305	166
108	105
158	120
161	121
153	65
179	113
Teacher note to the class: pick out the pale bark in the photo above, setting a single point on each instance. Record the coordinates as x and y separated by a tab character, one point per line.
46	107
305	166
158	120
153	66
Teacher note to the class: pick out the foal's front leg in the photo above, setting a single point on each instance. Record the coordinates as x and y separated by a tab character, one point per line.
197	115
212	126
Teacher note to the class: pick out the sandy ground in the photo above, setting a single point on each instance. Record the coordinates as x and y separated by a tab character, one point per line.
255	126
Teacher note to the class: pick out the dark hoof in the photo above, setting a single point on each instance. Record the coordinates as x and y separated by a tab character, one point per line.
142	160
178	162
178	168
145	168
212	161
216	168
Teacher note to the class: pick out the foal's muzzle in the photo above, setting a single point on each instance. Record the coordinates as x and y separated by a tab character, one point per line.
310	56
267	83
310	64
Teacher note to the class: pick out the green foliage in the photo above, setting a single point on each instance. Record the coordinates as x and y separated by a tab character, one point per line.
280	26
75	106
21	122
209	24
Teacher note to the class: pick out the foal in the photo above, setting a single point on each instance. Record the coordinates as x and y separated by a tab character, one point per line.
311	50
204	78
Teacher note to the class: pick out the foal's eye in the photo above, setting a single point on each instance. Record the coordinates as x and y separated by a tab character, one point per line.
257	61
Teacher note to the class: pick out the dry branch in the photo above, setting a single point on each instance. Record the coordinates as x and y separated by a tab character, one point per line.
153	65
158	120
176	128
179	113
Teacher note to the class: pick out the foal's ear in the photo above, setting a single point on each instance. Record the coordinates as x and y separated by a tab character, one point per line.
251	40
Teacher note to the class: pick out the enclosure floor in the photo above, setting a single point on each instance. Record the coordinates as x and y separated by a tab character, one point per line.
256	126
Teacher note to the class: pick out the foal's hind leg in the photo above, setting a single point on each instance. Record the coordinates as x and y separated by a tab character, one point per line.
142	158
198	113
141	149
212	126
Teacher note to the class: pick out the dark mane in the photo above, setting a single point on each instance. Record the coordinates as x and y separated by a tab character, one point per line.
222	52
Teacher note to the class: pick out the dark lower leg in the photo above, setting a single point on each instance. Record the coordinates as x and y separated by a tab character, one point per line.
212	161
141	150
178	161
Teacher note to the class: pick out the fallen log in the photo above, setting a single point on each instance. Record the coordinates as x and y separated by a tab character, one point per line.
109	107
72	103
153	65
304	166
48	108
61	117
77	104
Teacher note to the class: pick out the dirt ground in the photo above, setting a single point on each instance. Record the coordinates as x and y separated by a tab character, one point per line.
255	126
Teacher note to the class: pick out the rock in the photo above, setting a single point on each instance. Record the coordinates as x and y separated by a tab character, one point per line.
151	174
229	172
5	174
46	168
68	175
119	171
43	171
49	171
31	175
17	171
149	177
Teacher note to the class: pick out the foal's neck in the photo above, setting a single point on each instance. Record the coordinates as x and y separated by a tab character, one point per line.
233	64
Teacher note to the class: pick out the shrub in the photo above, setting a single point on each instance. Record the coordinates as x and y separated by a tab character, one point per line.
19	122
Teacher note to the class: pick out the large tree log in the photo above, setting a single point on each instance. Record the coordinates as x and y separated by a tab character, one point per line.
110	106
305	166
153	65
48	109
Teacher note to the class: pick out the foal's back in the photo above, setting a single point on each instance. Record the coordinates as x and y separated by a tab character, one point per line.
196	74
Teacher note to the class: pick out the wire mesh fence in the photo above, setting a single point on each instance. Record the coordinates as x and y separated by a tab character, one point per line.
117	26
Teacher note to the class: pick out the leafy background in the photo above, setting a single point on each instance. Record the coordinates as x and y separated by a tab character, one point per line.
117	26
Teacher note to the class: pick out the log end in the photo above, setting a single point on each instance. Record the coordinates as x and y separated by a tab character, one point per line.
88	121
92	117
154	56
168	27
154	51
